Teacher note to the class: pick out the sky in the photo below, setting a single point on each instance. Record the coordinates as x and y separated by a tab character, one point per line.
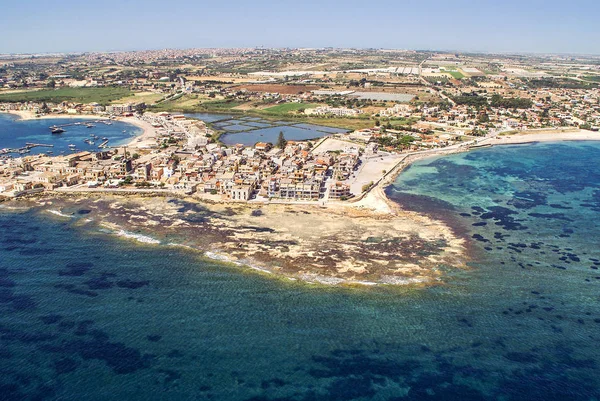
525	26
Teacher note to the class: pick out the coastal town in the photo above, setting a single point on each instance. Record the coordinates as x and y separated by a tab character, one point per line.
174	154
414	105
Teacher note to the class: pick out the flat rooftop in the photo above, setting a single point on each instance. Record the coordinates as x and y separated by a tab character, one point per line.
392	97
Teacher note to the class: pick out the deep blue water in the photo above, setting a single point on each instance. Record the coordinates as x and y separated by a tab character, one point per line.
86	315
249	130
15	133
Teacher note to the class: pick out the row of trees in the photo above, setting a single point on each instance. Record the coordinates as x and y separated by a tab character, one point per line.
510	102
496	100
562	83
399	142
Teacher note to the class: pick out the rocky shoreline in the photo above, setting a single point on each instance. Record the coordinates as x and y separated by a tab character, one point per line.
322	245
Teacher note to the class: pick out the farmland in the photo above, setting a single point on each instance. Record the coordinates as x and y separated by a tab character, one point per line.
455	74
146	97
274	88
104	95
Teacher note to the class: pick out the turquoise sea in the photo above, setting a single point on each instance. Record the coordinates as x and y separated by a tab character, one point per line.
86	315
15	133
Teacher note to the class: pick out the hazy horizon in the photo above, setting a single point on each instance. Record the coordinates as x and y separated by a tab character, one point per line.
541	27
433	50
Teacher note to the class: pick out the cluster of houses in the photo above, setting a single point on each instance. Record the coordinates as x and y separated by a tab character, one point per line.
334	111
236	173
550	108
72	108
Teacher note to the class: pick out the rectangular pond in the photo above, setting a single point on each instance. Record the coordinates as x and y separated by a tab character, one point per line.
248	130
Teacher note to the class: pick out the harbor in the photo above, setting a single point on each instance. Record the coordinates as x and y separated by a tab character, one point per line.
87	124
30	137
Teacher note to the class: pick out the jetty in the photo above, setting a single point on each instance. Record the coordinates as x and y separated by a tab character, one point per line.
86	123
43	145
25	149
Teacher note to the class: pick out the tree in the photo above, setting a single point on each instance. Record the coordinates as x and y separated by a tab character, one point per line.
281	142
483	118
51	84
366	187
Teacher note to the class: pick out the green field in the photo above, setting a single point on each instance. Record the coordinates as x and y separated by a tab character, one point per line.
146	97
195	104
593	78
455	74
104	96
287	107
220	104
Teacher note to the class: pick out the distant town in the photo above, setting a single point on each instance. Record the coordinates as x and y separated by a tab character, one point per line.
388	107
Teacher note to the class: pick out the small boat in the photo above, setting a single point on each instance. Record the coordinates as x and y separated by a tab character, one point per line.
56	130
72	146
90	125
104	138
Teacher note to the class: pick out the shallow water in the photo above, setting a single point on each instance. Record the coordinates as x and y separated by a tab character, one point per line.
90	315
15	133
249	130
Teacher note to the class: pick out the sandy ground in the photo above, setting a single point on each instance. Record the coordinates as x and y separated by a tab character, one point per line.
329	144
147	138
546	136
371	169
29	115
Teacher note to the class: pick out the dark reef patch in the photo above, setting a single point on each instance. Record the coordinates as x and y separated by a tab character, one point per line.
76	269
132	284
65	365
